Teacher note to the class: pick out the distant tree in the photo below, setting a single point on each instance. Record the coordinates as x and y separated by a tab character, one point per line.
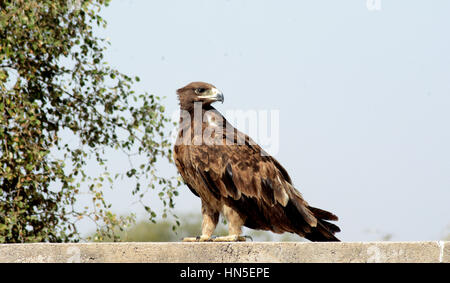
53	79
381	235
447	238
163	231
190	225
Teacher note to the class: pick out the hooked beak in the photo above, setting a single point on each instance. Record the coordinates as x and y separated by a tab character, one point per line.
213	95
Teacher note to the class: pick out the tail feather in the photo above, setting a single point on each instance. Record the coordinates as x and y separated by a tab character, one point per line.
323	214
324	231
315	227
333	228
321	234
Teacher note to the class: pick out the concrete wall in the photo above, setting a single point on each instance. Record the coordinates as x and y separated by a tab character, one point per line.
248	252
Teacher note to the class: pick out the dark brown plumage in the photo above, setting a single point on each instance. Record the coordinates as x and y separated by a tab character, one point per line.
234	176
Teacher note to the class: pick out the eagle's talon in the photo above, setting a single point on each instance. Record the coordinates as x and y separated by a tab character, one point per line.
198	239
248	237
205	239
241	238
231	238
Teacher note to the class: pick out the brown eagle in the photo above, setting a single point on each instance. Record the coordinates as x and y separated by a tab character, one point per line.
233	175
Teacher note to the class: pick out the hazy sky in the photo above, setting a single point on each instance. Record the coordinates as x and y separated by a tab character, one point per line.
363	96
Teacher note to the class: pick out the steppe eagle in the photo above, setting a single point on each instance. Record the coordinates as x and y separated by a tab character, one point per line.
233	175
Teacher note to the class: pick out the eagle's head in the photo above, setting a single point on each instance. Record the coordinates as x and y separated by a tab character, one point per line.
198	92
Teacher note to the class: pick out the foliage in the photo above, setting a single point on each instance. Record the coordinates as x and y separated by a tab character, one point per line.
54	82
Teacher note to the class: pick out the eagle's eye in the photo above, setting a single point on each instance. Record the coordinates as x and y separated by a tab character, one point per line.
200	90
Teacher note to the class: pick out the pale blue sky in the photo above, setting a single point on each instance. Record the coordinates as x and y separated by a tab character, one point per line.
364	96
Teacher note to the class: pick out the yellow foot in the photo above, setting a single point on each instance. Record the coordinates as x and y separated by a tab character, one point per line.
231	238
197	239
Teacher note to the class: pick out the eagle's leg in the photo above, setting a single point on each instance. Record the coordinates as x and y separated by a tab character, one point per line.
209	223
235	223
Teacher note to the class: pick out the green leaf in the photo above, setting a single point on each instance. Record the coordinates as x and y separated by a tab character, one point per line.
58	124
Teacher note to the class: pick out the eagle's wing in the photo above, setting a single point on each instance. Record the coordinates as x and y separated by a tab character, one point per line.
245	170
245	175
